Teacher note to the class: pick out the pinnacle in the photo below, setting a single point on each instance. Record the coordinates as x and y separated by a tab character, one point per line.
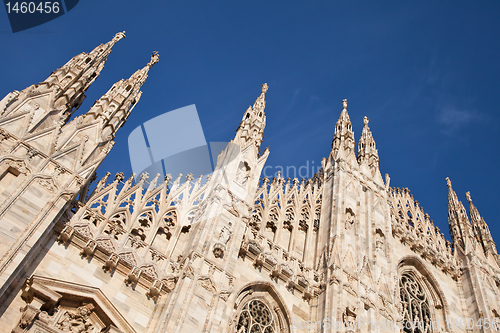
448	182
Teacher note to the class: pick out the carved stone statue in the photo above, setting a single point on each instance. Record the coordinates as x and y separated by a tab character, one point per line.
379	242
243	173
225	234
155	57
243	328
349	319
77	322
119	36
349	219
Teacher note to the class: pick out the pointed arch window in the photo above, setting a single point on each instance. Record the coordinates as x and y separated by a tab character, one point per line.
416	312
256	317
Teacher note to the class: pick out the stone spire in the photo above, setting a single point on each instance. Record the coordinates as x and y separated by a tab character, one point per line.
343	138
251	128
75	77
115	106
367	151
481	230
460	227
51	102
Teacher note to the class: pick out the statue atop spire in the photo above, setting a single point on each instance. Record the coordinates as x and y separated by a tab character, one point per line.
264	88
155	57
118	36
344	104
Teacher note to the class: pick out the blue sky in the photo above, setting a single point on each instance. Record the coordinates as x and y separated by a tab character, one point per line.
425	73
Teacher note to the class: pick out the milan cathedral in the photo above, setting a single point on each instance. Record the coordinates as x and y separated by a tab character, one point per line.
231	252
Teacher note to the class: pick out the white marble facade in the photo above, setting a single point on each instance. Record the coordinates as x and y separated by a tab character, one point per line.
340	252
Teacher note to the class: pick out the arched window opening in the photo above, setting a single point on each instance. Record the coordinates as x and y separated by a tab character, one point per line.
415	304
256	317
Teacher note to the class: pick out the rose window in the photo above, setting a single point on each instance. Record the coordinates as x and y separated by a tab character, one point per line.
255	317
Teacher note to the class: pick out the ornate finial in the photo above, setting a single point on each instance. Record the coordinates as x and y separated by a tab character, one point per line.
168	178
119	36
144	176
366	120
119	177
448	182
344	104
264	88
155	57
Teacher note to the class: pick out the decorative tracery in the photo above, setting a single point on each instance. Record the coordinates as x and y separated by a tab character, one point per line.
256	317
415	306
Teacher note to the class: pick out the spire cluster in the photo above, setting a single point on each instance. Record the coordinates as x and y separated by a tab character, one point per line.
468	234
343	144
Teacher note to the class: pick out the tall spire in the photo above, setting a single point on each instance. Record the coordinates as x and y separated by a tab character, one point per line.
480	228
460	227
343	137
251	128
115	106
75	77
367	151
51	102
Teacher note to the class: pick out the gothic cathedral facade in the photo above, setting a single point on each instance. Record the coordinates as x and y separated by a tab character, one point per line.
340	252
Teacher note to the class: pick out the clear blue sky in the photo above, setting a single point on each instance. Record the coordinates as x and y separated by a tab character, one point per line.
425	73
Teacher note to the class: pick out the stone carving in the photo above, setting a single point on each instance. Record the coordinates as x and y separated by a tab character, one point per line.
133	276
77	322
349	218
154	289
84	231
155	57
349	318
119	177
243	173
169	282
88	249
19	166
28	314
107	245
224	294
379	242
119	36
31	152
4	135
207	283
111	262
65	234
48	184
225	234
143	177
